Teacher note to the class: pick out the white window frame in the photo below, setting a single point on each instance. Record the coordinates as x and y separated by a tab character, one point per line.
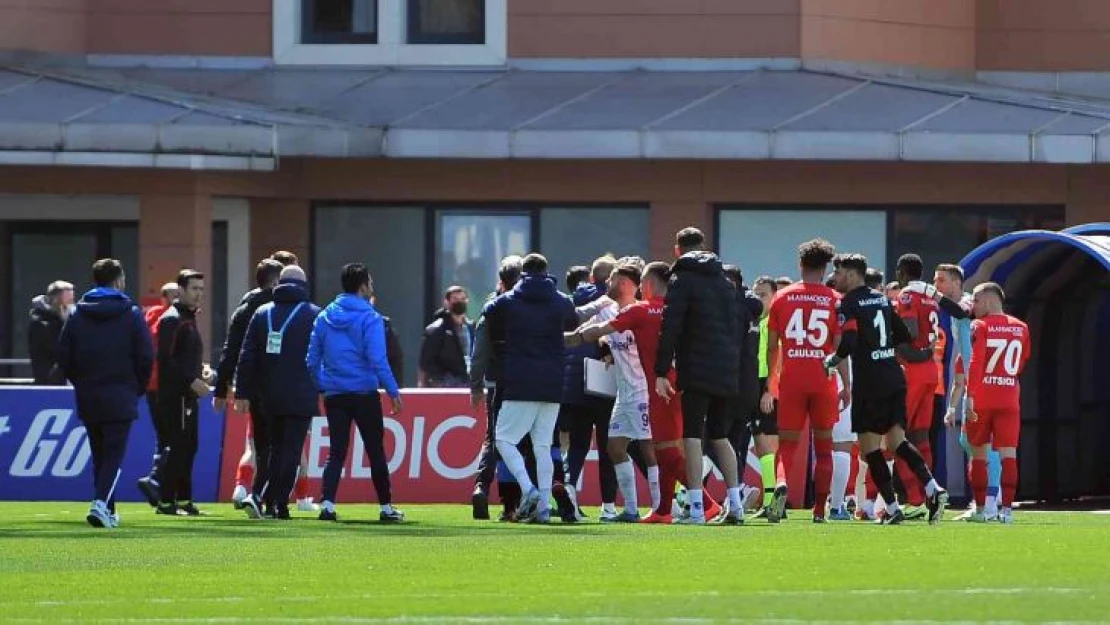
391	49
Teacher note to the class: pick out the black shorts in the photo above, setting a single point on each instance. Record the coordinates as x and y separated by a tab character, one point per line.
706	416
877	415
760	423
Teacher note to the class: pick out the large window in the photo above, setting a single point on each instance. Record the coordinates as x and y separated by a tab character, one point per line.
339	21
393	32
469	249
446	21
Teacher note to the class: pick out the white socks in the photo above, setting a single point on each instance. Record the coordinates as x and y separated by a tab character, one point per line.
842	468
990	508
515	463
735	501
653	486
626	480
931	488
697	507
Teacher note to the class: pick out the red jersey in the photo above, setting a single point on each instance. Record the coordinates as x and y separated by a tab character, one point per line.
925	312
645	320
805	318
999	351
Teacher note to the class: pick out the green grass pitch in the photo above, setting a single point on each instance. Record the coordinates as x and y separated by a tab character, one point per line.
442	567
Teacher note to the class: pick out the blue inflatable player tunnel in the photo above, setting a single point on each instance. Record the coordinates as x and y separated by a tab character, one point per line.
1059	283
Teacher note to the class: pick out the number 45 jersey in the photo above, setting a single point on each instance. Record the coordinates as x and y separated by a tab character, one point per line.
804	316
875	368
999	351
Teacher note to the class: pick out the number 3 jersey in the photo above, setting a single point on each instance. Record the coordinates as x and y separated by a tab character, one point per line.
924	311
999	351
875	368
804	316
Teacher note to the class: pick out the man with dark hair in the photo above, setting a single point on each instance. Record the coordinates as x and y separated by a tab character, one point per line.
532	318
803	331
874	336
48	314
445	354
485	387
586	417
347	360
922	318
577	275
266	275
181	384
874	279
272	372
105	351
702	334
285	258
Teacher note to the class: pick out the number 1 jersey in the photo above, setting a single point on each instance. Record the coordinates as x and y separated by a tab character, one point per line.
875	368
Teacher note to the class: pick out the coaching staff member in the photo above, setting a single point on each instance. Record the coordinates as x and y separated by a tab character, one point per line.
180	384
273	373
105	351
702	335
347	360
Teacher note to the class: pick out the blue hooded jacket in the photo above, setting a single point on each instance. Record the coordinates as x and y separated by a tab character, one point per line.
532	317
347	352
280	381
106	352
574	383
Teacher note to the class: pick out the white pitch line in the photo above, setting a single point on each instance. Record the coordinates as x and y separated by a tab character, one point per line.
857	592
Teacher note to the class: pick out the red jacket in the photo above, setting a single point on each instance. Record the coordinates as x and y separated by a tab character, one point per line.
152	315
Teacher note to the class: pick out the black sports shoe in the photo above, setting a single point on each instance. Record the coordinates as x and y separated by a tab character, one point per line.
167	509
563	501
151	490
188	509
819	518
393	516
776	510
507	515
893	519
937	504
328	515
479	503
281	512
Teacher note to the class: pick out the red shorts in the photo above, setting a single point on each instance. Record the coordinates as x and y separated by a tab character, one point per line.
919	405
1000	427
666	419
823	407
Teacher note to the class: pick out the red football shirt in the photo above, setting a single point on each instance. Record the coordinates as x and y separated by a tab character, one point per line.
645	320
999	351
925	312
805	318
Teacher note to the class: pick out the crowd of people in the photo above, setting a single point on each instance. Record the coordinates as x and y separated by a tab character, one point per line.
701	365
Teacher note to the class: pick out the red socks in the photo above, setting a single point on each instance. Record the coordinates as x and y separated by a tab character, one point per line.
784	459
853	471
1009	481
822	474
671	466
244	475
979	480
300	489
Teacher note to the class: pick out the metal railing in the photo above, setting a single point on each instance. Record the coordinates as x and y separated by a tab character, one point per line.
15	362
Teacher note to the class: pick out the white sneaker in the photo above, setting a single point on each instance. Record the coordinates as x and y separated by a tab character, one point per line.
238	495
98	515
114	517
306	505
751	497
1006	516
607	515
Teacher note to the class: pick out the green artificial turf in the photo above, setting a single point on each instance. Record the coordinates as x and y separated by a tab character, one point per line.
440	566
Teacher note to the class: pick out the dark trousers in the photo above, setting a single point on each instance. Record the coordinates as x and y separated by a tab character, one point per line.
179	417
155	417
264	450
287	434
487	464
365	412
591	418
108	443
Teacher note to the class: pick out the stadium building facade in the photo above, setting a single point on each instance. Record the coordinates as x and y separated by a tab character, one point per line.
430	139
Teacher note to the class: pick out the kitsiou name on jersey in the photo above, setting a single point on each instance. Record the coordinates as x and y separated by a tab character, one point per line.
882	354
994	380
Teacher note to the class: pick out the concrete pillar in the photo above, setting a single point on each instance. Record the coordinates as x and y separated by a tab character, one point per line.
279	224
1088	196
175	233
667	218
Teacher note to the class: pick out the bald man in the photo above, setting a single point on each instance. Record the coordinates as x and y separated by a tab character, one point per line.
272	371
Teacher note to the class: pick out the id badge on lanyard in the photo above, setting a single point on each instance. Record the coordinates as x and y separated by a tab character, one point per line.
273	339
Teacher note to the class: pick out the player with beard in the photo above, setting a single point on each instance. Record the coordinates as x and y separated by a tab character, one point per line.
874	337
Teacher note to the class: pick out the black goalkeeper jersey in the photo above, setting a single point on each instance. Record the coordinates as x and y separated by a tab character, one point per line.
875	368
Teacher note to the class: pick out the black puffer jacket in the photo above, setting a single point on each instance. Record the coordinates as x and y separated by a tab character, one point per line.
750	310
701	327
42	342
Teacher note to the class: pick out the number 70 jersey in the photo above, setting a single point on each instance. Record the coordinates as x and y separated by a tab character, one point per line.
999	351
